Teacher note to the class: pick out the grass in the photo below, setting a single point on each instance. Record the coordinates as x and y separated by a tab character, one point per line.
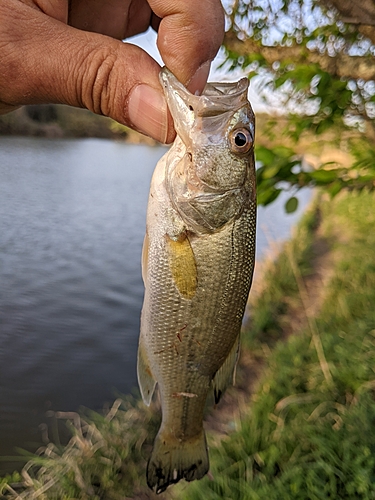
308	431
105	458
278	293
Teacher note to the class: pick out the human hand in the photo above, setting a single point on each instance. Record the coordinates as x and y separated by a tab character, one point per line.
69	52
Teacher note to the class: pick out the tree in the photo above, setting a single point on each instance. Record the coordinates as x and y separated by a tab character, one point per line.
316	57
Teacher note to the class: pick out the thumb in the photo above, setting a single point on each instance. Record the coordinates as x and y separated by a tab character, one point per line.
44	60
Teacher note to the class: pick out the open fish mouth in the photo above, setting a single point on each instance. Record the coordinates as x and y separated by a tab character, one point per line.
217	98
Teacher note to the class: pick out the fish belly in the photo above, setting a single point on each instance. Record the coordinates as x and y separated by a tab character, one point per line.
187	340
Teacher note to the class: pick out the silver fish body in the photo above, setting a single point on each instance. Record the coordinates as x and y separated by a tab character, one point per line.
198	260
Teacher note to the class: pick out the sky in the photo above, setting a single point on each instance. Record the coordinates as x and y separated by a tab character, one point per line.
148	42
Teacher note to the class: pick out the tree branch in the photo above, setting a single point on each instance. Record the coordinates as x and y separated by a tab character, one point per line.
342	65
360	13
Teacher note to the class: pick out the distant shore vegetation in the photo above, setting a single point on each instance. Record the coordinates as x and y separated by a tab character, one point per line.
60	121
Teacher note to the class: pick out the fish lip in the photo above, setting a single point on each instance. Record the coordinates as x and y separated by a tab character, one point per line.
217	98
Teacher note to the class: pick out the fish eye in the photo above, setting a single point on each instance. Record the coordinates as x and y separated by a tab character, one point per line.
240	140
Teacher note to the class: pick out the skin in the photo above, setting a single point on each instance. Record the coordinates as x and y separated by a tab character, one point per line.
70	52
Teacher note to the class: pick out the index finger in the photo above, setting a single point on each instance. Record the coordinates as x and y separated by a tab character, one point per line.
189	36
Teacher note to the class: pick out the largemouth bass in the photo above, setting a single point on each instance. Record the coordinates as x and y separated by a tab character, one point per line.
197	264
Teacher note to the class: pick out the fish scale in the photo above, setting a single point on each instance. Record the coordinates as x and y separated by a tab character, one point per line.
197	264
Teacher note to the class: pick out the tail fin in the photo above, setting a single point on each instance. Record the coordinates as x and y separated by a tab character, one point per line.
172	460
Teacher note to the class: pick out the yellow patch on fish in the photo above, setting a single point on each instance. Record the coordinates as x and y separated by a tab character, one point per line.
183	266
146	244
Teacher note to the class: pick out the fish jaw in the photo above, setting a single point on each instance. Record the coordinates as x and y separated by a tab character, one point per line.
218	100
208	119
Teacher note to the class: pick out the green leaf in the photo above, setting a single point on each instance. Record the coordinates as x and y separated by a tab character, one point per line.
324	125
264	155
281	80
334	188
270	171
291	205
323	176
267	196
325	80
283	151
344	98
370	178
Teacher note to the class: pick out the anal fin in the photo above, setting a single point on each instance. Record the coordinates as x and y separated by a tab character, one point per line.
224	377
146	380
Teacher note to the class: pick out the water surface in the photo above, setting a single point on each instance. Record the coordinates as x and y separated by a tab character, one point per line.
72	220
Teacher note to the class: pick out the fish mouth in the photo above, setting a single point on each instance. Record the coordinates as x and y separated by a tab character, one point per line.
216	99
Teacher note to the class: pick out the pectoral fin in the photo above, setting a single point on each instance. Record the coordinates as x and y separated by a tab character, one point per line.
145	258
224	377
182	265
146	380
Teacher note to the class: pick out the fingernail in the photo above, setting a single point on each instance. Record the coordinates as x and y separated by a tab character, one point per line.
147	111
199	80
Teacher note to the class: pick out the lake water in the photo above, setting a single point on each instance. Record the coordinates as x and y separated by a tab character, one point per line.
72	220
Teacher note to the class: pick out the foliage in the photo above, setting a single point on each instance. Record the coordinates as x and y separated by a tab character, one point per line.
306	61
306	436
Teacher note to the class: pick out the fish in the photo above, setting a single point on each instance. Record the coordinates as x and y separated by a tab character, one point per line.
197	267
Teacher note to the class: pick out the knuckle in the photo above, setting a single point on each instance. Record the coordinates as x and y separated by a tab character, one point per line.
99	81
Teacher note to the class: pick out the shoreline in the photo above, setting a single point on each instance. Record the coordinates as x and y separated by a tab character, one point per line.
56	121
